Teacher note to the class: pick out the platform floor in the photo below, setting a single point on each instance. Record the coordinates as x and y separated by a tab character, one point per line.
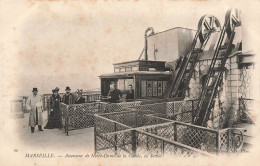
54	139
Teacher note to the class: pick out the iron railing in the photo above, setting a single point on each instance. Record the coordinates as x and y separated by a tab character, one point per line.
133	138
245	106
78	116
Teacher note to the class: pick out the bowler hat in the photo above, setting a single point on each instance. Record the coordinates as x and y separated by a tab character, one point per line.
34	89
56	89
67	88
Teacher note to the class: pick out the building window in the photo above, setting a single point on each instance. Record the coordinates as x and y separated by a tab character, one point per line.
152	88
164	85
135	68
160	88
122	70
149	88
121	84
117	70
155	88
143	88
128	69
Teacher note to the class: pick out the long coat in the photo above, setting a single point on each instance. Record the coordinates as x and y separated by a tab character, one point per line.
33	103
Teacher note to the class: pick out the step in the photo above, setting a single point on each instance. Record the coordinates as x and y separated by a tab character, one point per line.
218	69
186	71
223	47
209	87
197	50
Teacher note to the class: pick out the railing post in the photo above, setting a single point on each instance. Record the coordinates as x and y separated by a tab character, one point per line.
115	139
162	148
192	111
134	142
67	121
136	121
175	131
217	142
95	135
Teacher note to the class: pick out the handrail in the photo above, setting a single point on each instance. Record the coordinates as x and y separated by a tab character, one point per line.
176	143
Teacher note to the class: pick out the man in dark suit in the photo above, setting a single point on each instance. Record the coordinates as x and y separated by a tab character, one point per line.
68	98
130	93
80	99
114	95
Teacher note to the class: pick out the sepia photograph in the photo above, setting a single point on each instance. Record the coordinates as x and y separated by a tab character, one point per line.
129	82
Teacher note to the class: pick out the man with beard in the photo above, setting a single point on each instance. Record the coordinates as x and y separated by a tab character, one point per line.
68	98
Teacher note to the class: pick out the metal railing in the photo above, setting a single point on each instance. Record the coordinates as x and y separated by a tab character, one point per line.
245	106
151	136
78	116
88	96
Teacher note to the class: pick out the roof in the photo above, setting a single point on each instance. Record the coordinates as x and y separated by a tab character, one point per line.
172	29
131	74
137	61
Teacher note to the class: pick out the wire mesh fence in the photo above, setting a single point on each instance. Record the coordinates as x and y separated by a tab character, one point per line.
245	110
78	116
159	136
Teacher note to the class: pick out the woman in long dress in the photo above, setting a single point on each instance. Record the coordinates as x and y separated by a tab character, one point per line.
54	119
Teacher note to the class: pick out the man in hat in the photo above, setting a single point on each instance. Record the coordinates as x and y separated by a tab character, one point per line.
34	106
80	99
68	98
114	95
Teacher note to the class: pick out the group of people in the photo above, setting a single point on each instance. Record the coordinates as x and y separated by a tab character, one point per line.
35	107
115	95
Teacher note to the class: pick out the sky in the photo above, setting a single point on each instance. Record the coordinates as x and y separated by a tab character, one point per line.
48	44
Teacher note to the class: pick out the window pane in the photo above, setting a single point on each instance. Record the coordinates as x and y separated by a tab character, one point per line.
135	68
149	88
129	82
143	88
159	88
154	88
121	84
117	70
164	85
128	69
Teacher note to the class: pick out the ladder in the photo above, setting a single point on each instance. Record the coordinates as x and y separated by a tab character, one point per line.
180	83
214	76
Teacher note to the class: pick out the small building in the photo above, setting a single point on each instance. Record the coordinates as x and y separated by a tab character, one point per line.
149	76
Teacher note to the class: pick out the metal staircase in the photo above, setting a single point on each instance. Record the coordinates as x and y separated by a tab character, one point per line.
180	81
214	76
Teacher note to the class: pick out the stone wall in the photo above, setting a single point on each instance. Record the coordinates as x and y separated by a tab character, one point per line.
236	83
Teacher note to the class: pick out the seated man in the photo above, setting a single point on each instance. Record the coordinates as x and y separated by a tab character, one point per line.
114	95
130	93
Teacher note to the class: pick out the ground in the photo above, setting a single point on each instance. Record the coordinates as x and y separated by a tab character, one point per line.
53	139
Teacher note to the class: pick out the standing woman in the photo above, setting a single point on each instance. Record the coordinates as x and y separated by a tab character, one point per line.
54	119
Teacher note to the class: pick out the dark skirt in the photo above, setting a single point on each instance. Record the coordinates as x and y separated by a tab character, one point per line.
54	119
